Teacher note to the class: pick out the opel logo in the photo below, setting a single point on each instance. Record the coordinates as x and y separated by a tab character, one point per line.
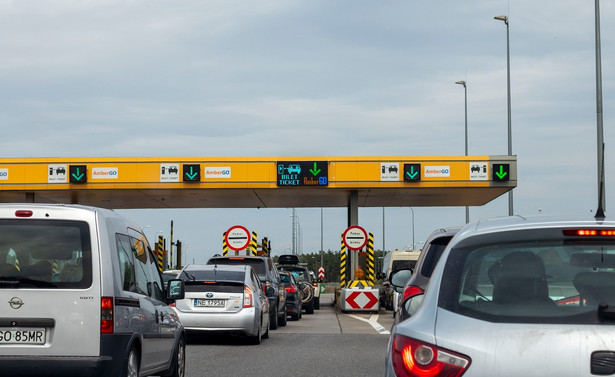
15	303
209	295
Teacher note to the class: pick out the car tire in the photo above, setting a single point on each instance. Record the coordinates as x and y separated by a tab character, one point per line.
131	366
273	319
282	319
256	339
266	334
178	365
316	302
310	308
295	316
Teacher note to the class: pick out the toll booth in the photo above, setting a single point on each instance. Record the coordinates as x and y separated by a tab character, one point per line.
357	272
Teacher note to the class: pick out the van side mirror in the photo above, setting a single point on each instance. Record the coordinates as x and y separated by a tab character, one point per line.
176	290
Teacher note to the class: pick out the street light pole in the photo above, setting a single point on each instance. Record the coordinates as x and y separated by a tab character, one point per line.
411	209
465	91
505	19
601	193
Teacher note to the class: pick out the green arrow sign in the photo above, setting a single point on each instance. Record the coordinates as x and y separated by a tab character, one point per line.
501	172
192	173
77	173
315	170
412	172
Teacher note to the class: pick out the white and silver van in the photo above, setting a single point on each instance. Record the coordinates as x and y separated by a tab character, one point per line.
81	295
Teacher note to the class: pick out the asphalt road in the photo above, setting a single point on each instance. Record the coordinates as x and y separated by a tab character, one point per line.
326	343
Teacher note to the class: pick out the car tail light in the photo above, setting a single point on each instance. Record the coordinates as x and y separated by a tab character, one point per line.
247	297
412	290
291	289
23	213
106	315
589	232
412	358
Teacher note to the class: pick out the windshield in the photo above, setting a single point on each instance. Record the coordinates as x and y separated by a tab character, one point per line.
45	254
538	282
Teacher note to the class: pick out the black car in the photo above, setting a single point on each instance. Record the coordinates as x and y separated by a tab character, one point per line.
432	250
301	274
294	294
270	278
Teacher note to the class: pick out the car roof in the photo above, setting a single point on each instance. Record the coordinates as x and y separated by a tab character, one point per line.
222	267
509	223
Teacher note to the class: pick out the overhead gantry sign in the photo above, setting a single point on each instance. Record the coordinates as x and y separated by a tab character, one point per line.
259	182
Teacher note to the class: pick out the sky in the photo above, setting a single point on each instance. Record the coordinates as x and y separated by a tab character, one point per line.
233	78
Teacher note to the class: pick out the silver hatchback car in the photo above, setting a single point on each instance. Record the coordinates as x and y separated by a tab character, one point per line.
224	299
515	296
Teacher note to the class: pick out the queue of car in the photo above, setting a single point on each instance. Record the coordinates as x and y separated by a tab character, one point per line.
511	296
242	295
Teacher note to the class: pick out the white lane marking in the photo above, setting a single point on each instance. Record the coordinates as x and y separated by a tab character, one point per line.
373	321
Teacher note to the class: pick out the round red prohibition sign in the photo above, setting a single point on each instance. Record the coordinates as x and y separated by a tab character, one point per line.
355	237
237	237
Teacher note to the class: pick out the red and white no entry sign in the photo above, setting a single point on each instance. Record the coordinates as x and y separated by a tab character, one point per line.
355	237
237	237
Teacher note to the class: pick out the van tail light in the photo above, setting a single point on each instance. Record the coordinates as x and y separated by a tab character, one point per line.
106	315
247	297
291	289
412	358
412	290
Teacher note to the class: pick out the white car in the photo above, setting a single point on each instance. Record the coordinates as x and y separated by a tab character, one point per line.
514	297
223	299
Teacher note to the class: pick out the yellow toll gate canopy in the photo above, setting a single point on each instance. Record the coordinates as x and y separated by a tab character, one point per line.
258	182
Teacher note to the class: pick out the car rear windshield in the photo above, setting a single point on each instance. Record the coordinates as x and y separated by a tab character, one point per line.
433	254
213	280
542	281
299	273
257	264
48	254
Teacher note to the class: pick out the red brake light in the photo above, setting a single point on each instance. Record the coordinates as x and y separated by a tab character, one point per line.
412	358
106	315
589	232
412	290
247	297
291	289
23	213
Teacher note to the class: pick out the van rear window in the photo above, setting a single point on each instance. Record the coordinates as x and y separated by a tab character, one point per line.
46	254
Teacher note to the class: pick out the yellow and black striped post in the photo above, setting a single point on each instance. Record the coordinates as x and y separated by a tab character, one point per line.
265	246
343	264
160	254
55	267
370	260
254	244
224	245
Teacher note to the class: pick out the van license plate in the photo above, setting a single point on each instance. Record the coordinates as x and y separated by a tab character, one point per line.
22	335
209	303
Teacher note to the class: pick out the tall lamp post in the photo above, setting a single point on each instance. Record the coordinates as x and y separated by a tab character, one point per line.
505	19
412	209
600	135
465	90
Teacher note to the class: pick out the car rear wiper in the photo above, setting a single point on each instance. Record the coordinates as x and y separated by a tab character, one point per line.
605	311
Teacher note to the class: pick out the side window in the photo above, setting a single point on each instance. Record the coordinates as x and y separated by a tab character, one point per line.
127	261
155	278
134	261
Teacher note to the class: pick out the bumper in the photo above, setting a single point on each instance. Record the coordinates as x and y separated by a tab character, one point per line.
110	363
246	321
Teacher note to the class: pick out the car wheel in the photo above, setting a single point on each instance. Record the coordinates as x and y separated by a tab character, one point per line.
316	302
310	308
131	368
273	319
295	316
282	319
266	334
178	365
256	339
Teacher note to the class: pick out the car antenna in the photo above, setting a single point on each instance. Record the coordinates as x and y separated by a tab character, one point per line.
600	210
